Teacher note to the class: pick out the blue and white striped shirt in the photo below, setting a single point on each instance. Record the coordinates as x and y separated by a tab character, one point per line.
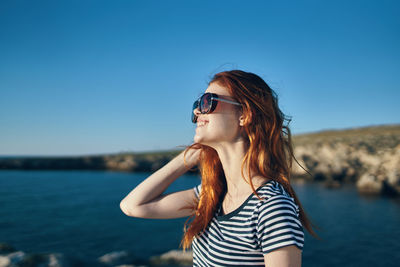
243	236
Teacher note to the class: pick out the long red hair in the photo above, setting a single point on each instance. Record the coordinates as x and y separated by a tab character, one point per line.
269	154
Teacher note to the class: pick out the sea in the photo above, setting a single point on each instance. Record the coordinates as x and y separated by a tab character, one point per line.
77	213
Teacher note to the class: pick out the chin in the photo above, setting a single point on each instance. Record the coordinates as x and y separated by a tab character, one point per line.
198	139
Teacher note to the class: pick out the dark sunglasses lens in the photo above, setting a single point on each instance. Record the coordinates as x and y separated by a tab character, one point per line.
205	103
195	105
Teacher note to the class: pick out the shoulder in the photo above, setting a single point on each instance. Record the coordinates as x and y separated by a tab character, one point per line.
276	205
272	188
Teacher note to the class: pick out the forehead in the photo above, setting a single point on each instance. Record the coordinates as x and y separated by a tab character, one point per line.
217	89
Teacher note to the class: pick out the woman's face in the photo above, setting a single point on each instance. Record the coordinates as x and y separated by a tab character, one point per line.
222	125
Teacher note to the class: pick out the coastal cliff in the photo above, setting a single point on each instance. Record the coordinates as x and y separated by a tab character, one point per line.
369	157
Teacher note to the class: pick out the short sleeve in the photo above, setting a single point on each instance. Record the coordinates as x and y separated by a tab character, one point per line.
197	190
278	224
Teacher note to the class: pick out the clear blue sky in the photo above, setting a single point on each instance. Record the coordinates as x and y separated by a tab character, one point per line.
90	77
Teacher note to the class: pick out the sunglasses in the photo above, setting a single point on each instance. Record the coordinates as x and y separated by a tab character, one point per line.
207	104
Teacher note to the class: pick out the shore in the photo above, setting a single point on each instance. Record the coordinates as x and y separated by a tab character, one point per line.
11	257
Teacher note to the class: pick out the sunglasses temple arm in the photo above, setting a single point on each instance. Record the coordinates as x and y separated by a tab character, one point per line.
228	101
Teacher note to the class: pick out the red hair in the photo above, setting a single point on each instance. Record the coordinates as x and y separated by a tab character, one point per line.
269	154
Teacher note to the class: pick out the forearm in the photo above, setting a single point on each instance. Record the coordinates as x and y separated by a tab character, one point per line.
156	184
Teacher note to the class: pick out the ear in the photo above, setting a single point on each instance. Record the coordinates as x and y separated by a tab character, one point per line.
243	121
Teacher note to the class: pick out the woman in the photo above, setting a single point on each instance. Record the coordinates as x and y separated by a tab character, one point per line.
245	211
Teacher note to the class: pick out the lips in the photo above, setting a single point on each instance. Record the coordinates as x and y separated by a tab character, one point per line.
201	122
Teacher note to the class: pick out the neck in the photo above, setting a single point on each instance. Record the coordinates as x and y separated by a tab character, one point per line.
231	156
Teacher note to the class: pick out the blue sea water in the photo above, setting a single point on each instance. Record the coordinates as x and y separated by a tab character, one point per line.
77	213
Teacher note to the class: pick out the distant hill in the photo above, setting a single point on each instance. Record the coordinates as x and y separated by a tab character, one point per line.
368	156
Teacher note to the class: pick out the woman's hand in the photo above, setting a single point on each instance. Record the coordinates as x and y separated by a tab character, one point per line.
192	157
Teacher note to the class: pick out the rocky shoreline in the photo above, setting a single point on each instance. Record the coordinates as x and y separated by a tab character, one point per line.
369	157
10	257
129	162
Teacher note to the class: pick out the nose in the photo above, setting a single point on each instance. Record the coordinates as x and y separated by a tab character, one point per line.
196	111
195	115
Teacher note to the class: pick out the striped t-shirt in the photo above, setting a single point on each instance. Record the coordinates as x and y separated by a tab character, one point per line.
243	236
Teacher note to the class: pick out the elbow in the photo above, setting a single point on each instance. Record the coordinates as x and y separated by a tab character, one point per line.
131	210
125	209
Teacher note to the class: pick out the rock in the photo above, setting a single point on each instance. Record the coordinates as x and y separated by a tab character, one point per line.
117	258
22	259
394	180
174	257
59	260
130	265
369	184
4	261
12	259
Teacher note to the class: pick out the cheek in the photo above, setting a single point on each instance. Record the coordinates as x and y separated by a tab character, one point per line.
223	124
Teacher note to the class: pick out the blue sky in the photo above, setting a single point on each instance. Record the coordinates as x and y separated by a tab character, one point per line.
92	77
